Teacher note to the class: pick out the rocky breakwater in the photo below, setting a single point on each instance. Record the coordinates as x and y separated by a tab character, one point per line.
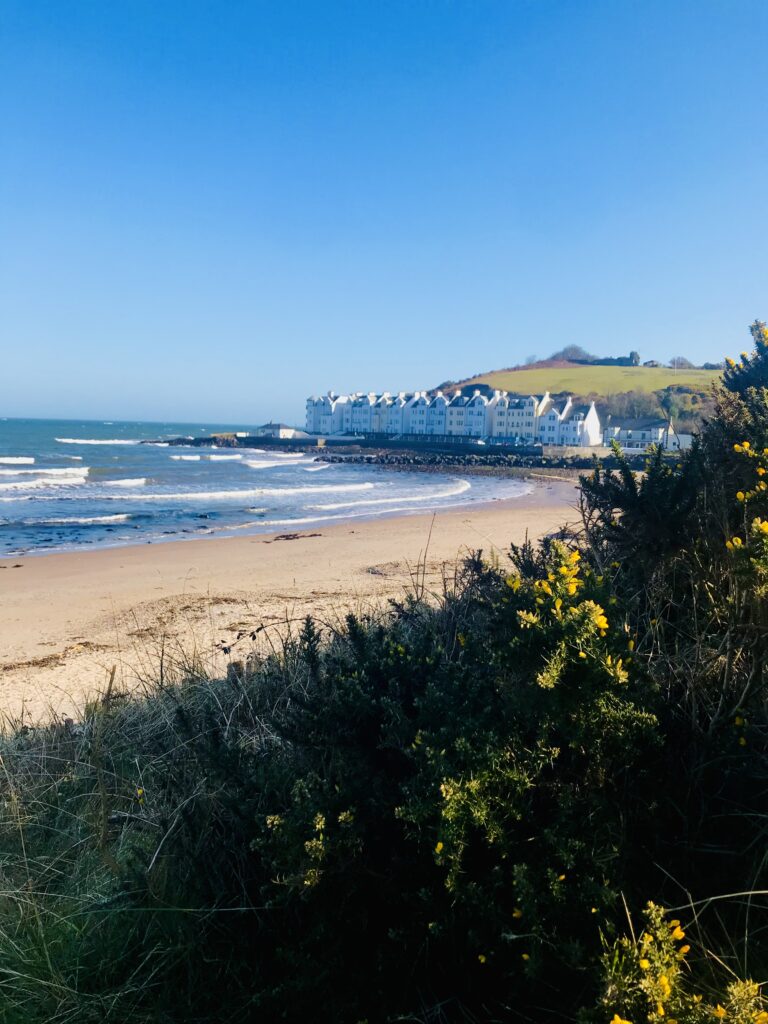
491	463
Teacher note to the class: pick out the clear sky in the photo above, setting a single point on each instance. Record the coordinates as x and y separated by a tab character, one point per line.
212	209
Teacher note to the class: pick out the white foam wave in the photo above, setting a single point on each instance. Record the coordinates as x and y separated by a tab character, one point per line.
262	464
138	481
317	468
459	488
223	458
39	471
84	520
242	495
186	458
287	455
30	485
92	440
306	520
17	460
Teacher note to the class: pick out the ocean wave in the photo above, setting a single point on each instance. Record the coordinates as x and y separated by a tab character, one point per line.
17	460
122	517
40	471
461	487
287	455
307	520
138	481
223	458
245	494
262	464
91	440
317	468
31	485
186	458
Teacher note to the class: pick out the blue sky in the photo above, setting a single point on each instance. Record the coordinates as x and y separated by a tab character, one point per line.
211	209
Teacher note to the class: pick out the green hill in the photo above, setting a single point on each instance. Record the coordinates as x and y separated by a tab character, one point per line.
600	380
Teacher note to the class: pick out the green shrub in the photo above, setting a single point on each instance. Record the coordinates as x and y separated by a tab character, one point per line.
441	812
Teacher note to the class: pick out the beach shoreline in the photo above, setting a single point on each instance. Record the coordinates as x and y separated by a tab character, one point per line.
66	619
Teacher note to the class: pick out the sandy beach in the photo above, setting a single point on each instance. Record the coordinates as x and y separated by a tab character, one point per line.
67	619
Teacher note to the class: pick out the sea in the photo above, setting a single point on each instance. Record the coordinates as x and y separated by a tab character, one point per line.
68	485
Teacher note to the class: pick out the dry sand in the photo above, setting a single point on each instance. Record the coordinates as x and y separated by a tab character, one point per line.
67	619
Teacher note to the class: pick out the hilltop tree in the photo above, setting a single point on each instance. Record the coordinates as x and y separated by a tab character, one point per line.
573	354
635	358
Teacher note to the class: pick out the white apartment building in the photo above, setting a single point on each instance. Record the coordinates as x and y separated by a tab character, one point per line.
484	414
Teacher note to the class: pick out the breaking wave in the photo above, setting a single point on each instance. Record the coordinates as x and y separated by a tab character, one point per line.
17	460
31	485
460	488
255	492
91	440
122	517
39	471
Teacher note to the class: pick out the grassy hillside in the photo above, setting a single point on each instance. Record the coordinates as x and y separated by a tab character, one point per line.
602	380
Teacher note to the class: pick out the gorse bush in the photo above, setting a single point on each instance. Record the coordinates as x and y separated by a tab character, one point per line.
451	811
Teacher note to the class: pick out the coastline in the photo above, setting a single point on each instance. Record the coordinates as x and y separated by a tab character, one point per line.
67	618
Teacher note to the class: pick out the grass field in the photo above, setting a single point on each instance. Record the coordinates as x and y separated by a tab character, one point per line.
602	380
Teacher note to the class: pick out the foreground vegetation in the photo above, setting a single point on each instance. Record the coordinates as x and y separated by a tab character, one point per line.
537	796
